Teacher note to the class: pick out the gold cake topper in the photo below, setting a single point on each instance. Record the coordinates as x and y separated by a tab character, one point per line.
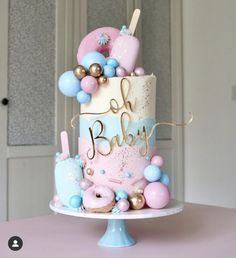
171	124
127	138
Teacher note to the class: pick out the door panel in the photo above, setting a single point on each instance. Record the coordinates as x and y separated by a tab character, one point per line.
30	186
31	71
30	46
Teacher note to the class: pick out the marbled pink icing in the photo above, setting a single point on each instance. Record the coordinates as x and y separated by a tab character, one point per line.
122	160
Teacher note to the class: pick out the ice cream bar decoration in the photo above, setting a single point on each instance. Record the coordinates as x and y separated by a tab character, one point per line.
126	47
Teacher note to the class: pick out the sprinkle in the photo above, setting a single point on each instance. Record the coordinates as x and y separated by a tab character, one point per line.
115	209
128	174
103	39
103	171
114	180
147	157
136	181
124	31
90	171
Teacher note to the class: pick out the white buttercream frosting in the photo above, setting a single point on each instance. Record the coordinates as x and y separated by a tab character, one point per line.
142	95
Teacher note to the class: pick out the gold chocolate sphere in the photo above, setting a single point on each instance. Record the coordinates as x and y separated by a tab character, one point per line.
133	74
89	171
79	71
102	80
137	201
139	191
95	70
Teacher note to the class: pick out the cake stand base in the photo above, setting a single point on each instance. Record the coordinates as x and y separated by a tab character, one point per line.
116	235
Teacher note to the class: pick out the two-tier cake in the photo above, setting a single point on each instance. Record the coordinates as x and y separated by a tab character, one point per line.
117	167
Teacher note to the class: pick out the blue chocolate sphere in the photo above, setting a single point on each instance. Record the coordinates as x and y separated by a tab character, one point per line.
165	179
83	97
93	57
121	195
109	71
152	173
75	201
68	84
113	62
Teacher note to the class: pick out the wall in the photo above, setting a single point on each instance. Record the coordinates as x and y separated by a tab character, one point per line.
209	49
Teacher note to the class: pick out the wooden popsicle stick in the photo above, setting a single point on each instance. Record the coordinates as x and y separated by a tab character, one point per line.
134	21
65	143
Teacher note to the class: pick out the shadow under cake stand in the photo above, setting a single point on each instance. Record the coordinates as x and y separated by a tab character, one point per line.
116	234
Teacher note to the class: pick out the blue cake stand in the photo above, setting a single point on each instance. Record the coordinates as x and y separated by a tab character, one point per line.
116	234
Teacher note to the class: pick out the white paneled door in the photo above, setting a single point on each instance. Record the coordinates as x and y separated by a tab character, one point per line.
36	41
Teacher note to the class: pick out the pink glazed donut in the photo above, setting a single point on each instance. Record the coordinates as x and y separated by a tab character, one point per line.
94	42
98	198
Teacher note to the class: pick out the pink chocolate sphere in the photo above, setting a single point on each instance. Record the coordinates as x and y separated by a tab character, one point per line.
156	195
120	71
89	84
123	205
56	198
85	184
139	71
157	160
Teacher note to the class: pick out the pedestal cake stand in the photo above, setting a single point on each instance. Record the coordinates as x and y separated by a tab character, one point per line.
116	234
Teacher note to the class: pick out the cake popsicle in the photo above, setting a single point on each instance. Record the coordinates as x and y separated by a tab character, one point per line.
68	175
126	47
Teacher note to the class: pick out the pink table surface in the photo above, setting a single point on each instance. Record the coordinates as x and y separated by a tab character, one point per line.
199	231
